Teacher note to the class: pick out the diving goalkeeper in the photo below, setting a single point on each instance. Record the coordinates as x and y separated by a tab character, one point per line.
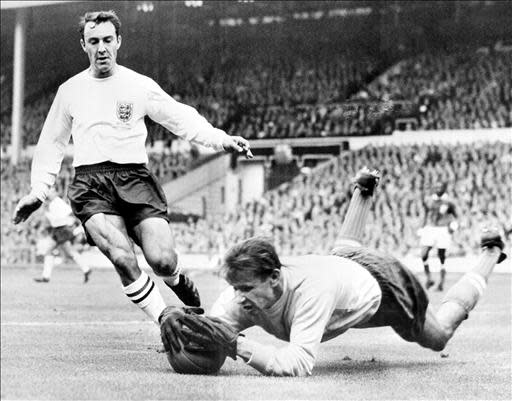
314	298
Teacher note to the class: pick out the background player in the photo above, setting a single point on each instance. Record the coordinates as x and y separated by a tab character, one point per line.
113	194
61	230
439	224
314	298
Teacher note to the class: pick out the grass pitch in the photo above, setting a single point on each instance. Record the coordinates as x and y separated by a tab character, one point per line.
69	341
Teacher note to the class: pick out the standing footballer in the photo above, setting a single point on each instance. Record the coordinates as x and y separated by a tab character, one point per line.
439	224
115	196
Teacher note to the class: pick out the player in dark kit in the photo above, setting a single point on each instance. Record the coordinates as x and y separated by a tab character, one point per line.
439	224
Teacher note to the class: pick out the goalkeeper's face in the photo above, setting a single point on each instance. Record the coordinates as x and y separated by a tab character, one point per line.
256	292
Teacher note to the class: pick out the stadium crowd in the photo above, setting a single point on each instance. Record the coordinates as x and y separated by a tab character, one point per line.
460	89
304	215
330	94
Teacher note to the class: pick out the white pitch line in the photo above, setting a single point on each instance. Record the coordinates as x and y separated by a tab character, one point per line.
91	323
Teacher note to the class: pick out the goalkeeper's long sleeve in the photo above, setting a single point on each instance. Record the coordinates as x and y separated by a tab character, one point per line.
291	360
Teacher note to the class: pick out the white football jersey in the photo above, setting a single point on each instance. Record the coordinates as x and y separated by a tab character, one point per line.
105	117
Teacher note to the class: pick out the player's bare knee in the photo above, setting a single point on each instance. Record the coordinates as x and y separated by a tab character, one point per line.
165	263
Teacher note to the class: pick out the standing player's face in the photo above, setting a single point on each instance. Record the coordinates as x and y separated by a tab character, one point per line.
254	292
101	43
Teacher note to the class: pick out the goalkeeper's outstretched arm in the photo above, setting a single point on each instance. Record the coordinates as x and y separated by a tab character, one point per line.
291	360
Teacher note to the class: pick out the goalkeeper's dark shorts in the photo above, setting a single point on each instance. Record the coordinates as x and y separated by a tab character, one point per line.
404	300
127	190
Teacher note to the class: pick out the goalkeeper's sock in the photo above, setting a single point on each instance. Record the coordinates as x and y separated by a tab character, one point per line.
49	262
145	294
462	297
352	229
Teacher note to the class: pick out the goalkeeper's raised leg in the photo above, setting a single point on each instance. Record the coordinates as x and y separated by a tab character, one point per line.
352	229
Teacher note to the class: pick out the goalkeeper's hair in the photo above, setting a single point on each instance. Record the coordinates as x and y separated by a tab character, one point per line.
98	17
255	255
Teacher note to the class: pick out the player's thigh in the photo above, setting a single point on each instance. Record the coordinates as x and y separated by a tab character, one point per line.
433	335
109	234
154	235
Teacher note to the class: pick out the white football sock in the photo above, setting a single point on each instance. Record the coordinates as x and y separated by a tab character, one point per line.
49	262
145	294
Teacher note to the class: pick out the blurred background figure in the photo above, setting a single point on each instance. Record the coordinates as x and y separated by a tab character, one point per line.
439	224
60	232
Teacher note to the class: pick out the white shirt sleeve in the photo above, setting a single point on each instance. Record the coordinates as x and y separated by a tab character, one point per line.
181	119
298	357
50	148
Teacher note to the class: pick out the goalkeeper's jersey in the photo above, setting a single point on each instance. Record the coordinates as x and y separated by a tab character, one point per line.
105	118
323	296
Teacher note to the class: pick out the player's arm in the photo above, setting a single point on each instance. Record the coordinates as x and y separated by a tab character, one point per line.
294	359
185	122
298	356
47	158
426	202
452	211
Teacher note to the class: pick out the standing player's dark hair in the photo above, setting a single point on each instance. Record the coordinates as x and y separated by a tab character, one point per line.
98	17
255	255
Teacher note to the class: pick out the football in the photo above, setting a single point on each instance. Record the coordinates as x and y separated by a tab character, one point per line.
197	361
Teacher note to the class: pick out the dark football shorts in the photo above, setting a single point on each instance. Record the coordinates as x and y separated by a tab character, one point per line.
62	234
127	190
404	300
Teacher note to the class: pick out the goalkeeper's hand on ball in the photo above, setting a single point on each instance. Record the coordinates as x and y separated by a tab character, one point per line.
170	326
210	332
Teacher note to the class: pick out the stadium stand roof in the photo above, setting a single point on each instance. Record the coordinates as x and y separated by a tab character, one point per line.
4	5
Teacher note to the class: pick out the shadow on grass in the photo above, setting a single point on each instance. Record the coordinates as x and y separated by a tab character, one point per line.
374	366
338	368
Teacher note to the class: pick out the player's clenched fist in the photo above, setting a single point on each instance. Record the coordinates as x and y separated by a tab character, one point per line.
210	331
171	329
237	144
25	207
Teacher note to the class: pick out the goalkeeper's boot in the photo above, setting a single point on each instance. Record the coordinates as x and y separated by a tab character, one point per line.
491	238
367	181
186	291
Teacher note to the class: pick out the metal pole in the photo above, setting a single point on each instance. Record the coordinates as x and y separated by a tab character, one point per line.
18	87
